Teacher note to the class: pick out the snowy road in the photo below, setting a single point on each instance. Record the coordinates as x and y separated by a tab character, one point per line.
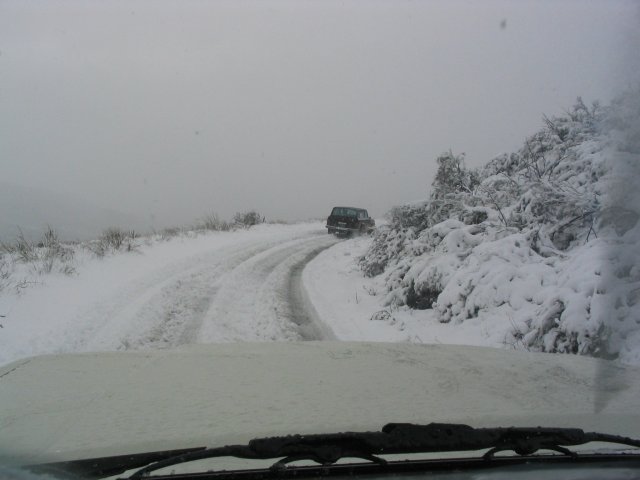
262	297
239	293
241	286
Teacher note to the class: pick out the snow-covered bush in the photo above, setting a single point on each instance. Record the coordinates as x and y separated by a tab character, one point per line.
45	256
5	271
546	238
247	219
113	240
452	176
213	223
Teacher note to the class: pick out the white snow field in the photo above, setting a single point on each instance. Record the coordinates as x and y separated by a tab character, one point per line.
215	287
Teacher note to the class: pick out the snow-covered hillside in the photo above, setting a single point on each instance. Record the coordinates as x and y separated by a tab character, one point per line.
539	246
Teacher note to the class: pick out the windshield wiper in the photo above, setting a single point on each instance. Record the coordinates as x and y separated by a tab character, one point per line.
107	466
395	438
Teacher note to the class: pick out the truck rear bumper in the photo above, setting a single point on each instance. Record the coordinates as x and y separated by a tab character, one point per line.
341	229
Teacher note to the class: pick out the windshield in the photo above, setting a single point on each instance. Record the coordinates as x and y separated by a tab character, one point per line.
171	276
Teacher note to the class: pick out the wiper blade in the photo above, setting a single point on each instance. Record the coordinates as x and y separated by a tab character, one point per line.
394	438
399	438
107	466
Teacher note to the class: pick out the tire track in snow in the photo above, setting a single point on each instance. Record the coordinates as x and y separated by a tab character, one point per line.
151	313
303	313
255	301
239	293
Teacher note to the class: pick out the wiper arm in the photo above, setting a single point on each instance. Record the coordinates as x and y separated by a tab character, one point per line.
399	438
107	466
327	449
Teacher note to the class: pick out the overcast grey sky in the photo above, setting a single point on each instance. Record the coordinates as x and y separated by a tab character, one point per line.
170	109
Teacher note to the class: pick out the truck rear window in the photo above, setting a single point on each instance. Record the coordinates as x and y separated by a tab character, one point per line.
344	212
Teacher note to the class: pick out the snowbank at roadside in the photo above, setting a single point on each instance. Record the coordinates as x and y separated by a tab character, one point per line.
352	305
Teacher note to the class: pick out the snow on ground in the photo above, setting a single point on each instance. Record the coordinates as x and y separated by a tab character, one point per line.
216	286
230	287
352	305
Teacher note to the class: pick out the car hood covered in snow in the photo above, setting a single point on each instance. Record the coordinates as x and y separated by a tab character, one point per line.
71	406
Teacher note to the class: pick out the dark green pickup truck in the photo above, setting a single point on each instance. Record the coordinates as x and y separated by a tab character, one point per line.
348	220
